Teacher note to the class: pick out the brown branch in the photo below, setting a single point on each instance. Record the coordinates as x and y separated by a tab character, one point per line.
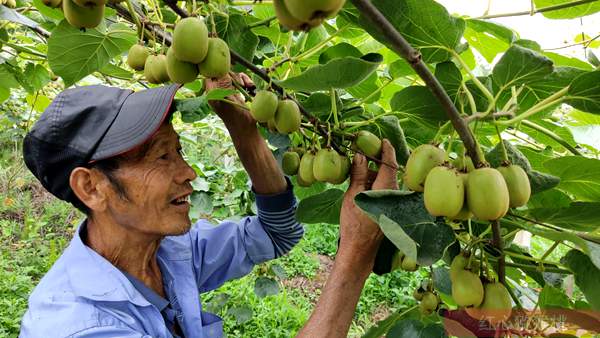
539	10
404	49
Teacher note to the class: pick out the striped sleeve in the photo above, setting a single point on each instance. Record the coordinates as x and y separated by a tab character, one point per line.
277	214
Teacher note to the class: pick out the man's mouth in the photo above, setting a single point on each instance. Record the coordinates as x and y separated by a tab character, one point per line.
182	200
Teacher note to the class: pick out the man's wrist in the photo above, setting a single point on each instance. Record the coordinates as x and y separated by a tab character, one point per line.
359	262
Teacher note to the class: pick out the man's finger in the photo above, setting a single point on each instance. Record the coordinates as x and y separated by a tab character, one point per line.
359	174
247	81
388	172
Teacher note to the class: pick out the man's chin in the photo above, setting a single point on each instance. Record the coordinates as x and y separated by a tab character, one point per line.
182	229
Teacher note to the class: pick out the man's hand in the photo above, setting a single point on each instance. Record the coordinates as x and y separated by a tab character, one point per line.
359	241
256	157
233	115
358	233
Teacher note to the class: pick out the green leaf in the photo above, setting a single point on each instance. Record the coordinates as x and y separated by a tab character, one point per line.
194	109
217	302
497	30
395	233
586	276
589	248
4	94
339	73
567	13
579	176
553	197
52	13
535	92
551	298
451	79
520	66
339	51
319	104
489	38
390	128
12	15
402	207
265	286
234	30
321	208
382	327
585	128
592	58
241	314
7	78
366	88
117	72
579	216
400	68
441	280
412	328
74	54
418	101
529	44
36	75
201	204
584	92
539	181
278	271
402	217
424	23
567	61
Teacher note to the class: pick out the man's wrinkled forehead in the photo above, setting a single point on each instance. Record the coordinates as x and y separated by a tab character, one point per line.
165	136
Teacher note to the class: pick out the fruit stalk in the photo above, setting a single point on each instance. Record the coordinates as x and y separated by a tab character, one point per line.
498	243
404	49
136	20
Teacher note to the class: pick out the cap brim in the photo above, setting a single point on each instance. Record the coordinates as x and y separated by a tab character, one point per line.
138	120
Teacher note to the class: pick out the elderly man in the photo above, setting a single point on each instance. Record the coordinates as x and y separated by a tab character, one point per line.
136	265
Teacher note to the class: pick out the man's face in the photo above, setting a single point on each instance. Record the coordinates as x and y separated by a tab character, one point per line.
157	189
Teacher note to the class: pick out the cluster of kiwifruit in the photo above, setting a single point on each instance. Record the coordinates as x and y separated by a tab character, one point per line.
428	298
459	191
483	301
281	115
326	164
302	15
193	52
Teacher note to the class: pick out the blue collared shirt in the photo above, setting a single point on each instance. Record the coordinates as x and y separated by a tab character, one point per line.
84	295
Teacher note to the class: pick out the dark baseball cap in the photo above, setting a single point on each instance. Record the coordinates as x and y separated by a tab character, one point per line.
87	124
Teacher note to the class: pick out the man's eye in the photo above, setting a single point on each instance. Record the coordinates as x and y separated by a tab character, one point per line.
165	156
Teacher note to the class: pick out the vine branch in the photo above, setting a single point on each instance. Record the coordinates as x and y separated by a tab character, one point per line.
404	49
539	10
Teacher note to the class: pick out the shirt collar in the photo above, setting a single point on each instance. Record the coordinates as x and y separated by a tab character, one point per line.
150	295
95	278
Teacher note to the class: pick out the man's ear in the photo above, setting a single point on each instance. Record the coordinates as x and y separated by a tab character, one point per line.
90	187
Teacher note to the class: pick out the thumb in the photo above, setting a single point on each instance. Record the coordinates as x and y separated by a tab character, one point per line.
388	171
359	175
